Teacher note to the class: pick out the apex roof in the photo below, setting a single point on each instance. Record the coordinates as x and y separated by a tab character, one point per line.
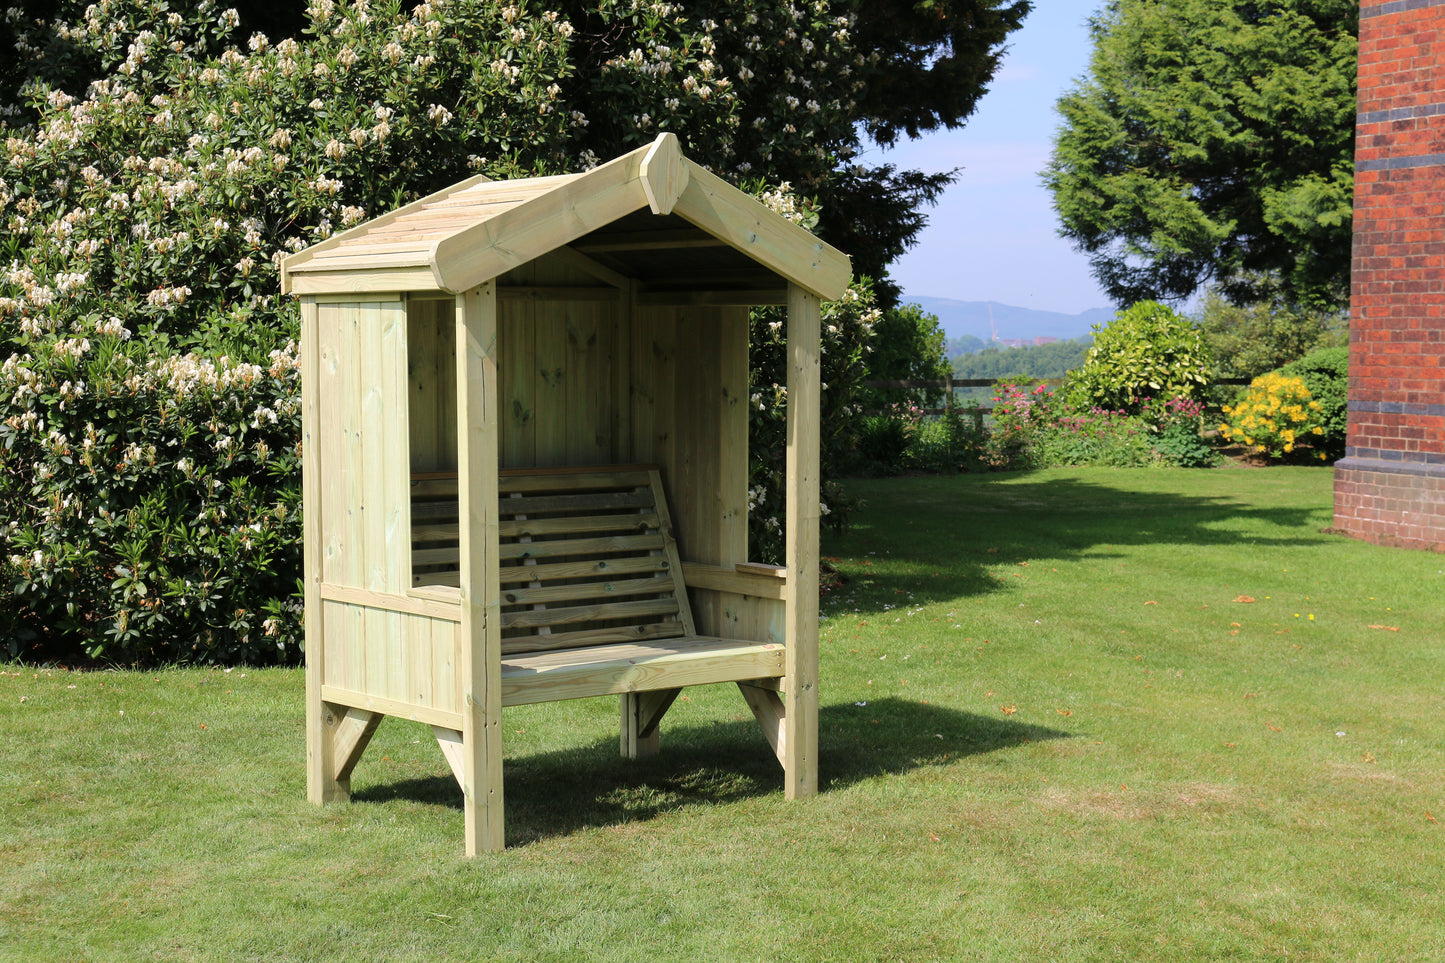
651	216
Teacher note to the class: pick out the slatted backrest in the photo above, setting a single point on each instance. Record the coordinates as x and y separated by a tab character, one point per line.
587	557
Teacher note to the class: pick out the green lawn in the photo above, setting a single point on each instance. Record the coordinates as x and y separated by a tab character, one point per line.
1067	715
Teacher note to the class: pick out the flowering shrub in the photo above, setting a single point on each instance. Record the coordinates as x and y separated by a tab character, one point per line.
1034	427
145	215
1326	373
1275	418
1147	351
152	504
847	328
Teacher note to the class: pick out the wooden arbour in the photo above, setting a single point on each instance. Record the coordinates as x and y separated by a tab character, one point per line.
580	341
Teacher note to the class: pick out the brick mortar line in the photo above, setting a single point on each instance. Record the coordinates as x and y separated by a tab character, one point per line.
1396	408
1369	459
1397	6
1417	112
1401	163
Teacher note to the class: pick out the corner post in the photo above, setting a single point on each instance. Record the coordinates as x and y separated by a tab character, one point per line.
800	683
322	786
480	630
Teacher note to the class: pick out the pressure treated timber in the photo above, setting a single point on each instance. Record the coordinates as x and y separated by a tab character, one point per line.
321	783
474	232
800	691
725	212
634	667
663	174
477	447
641	713
552	325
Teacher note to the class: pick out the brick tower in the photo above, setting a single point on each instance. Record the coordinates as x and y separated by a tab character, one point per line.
1390	487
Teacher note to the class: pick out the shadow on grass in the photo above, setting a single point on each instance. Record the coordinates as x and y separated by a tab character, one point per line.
558	793
935	538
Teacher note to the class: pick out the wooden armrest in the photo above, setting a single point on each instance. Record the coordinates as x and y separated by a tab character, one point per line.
745	578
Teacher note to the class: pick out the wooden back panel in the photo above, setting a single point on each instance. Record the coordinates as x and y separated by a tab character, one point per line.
587	556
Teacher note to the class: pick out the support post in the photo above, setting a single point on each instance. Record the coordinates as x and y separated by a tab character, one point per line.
481	655
800	682
641	714
322	786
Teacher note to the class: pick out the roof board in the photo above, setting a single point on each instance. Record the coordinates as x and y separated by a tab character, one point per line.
477	229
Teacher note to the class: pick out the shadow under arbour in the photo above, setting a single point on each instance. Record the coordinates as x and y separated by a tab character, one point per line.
559	793
934	539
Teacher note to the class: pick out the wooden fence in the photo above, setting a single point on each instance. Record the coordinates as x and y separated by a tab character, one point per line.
977	412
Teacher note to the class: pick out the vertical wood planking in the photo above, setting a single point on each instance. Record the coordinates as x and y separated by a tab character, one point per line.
446	369
588	418
642	382
622	386
732	437
370	452
476	327
321	787
550	388
800	687
423	385
517	348
393	465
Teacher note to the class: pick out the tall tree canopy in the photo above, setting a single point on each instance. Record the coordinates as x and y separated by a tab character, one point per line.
1212	142
160	158
774	90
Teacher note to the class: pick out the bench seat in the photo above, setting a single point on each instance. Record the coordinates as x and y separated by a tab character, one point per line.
593	600
635	667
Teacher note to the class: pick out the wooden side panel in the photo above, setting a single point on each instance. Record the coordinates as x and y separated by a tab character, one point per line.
734	616
653	404
432	385
689	389
550	388
405	658
517	378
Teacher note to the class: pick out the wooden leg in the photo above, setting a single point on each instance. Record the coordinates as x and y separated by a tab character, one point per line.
641	713
450	741
767	707
799	749
482	785
341	734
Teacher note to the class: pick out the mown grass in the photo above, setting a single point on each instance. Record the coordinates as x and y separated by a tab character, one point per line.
1052	729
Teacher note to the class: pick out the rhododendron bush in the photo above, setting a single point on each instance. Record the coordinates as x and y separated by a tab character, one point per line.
159	161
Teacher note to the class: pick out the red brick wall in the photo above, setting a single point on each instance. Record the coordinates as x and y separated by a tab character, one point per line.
1390	487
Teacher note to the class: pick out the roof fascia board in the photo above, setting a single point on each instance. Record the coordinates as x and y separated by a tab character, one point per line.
767	237
549	221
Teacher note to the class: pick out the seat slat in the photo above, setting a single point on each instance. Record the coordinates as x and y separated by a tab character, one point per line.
562	479
571	640
637	667
611	587
546	572
573	614
592	501
621	544
578	525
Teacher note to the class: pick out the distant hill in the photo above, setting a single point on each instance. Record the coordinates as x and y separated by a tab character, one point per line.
959	318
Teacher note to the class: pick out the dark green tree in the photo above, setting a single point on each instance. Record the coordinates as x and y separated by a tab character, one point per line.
1250	339
796	111
907	344
1212	142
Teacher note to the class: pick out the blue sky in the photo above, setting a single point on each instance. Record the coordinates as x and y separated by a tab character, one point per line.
994	235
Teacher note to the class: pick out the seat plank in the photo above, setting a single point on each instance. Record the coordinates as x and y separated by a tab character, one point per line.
636	667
